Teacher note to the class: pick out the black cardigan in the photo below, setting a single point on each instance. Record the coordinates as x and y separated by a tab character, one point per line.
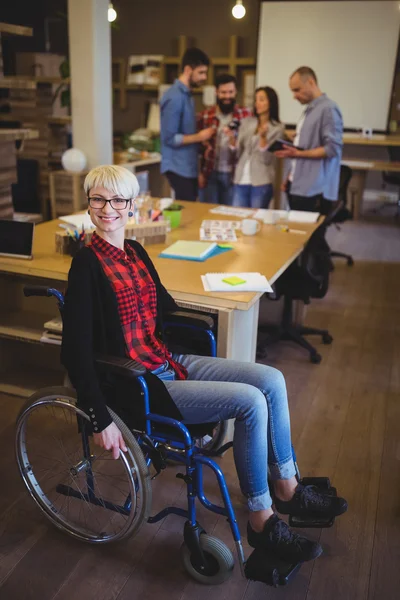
91	325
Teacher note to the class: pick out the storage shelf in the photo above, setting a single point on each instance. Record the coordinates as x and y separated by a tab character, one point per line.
29	380
25	326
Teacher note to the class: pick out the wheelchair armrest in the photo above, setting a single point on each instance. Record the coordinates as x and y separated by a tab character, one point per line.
120	366
181	317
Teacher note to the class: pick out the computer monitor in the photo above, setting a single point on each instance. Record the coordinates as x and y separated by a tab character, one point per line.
16	238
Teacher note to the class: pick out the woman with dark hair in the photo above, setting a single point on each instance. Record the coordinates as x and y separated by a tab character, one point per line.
255	168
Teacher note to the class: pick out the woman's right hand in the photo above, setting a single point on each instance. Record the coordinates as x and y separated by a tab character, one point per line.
232	139
284	185
111	439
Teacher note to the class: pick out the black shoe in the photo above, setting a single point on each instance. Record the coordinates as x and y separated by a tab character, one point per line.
309	501
278	538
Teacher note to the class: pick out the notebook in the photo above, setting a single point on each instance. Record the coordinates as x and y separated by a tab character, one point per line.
228	282
189	250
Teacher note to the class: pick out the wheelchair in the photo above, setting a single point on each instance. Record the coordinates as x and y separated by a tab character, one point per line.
84	492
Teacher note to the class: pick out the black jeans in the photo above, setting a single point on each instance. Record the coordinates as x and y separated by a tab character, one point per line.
311	203
185	188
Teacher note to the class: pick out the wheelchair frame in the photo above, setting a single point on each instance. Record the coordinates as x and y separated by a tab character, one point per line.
179	447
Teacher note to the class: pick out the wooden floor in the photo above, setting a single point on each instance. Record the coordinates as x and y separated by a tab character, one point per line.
345	416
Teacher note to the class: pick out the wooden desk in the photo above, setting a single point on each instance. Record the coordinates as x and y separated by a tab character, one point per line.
270	252
375	140
360	170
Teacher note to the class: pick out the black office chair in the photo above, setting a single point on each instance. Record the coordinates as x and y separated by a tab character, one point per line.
392	179
341	212
305	279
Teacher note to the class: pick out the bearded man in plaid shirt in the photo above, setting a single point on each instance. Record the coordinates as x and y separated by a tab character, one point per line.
217	161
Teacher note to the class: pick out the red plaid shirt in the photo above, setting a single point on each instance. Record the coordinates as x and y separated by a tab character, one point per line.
137	304
208	118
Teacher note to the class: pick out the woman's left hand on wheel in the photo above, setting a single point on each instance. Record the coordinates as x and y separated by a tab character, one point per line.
111	439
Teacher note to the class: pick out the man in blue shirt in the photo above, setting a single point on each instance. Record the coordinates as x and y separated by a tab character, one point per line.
179	137
313	180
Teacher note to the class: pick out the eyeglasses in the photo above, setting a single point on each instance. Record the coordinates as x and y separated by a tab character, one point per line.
115	203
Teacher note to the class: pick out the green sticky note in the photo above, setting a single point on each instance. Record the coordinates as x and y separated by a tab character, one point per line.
234	280
224	245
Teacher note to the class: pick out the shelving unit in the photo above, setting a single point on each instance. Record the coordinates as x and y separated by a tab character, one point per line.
29	381
232	62
23	326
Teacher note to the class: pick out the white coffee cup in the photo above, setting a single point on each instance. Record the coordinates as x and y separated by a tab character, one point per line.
270	217
250	226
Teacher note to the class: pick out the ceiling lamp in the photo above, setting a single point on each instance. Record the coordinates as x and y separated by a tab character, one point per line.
112	13
238	10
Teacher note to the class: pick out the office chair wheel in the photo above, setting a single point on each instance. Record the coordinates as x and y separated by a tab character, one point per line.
327	339
80	488
350	262
315	358
219	558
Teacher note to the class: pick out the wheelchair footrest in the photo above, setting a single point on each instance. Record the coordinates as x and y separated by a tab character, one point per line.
267	568
324	485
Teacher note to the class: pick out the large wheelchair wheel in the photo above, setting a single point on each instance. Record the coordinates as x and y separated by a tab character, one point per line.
77	485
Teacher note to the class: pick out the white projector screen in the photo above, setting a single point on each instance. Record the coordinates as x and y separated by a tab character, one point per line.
352	47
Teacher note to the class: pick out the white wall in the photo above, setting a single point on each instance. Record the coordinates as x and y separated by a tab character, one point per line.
351	46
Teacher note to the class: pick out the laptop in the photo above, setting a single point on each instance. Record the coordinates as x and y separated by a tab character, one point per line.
16	239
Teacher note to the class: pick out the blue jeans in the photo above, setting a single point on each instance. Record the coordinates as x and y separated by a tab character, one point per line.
252	196
218	189
255	396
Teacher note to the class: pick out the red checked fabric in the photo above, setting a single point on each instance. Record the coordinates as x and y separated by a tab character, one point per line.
208	118
137	304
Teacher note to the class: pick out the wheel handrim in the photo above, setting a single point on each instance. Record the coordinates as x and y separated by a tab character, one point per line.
115	482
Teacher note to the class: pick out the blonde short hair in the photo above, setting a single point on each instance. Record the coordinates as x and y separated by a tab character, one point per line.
113	178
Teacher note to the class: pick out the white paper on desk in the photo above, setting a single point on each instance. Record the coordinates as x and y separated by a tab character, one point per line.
232	211
294	216
357	164
274	215
254	282
303	216
79	220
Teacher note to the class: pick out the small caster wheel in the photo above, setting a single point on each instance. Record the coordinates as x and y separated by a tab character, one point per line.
350	262
219	558
315	358
327	339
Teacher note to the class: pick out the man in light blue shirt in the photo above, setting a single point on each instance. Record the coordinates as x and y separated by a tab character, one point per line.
179	137
313	181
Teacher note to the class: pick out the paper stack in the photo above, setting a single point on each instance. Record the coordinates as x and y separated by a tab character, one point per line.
235	282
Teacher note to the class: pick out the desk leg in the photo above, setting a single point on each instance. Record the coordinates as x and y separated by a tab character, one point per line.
237	340
276	202
237	334
357	184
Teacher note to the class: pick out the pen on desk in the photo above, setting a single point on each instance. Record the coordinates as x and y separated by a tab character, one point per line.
287	230
296	231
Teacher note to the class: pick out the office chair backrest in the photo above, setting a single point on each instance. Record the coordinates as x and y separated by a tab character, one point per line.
340	212
394	153
308	277
345	176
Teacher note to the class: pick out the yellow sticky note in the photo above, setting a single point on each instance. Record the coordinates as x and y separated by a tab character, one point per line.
234	280
224	245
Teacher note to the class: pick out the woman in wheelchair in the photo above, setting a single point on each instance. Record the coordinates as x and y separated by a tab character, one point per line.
114	305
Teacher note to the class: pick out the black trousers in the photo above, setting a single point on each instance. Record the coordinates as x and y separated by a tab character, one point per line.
185	188
311	203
